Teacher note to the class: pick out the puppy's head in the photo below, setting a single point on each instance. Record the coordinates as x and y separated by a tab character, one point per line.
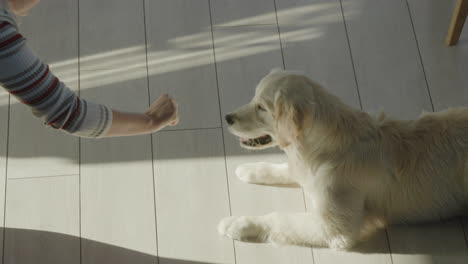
277	113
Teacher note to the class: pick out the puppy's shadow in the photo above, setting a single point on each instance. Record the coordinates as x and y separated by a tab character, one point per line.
441	241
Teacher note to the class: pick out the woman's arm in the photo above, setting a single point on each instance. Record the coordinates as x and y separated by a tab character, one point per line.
28	79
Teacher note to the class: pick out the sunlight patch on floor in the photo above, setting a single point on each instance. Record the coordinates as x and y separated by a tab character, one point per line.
195	50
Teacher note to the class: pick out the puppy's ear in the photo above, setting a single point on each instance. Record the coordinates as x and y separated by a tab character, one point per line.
290	110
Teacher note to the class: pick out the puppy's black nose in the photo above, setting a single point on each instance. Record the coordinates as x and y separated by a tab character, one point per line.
229	119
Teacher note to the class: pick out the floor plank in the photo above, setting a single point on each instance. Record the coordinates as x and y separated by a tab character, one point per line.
180	59
388	68
445	66
42	221
241	65
117	206
36	150
116	174
243	12
3	157
112	34
314	42
53	40
191	196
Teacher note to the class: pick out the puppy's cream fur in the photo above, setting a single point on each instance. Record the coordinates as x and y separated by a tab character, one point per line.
361	172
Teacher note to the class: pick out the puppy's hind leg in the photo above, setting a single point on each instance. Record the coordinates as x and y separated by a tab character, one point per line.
265	173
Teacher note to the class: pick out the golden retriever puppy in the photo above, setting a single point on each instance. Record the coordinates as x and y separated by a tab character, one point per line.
361	172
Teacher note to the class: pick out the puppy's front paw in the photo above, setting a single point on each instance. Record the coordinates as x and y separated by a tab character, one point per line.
243	228
252	173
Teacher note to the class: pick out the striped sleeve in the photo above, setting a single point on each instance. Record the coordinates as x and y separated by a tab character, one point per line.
24	76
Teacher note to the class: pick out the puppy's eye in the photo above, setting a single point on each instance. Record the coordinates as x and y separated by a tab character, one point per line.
260	107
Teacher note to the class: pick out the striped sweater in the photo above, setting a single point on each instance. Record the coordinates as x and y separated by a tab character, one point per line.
24	76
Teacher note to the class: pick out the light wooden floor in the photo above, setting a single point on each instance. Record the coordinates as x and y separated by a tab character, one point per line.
129	200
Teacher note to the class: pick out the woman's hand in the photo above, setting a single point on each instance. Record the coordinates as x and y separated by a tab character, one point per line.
163	112
22	7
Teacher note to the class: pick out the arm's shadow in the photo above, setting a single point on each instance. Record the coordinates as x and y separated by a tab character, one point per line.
25	246
41	247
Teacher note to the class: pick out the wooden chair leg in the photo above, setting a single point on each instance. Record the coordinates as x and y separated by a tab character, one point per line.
458	20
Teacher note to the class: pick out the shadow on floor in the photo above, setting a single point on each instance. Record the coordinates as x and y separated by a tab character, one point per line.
42	247
421	239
